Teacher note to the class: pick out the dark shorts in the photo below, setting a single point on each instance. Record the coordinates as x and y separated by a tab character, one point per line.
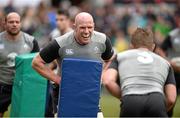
52	99
5	97
148	105
55	95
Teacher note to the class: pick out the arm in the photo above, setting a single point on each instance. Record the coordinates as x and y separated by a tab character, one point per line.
35	46
108	55
47	55
110	77
109	81
108	62
170	90
170	93
53	65
40	66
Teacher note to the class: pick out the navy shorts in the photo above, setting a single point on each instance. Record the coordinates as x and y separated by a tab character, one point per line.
147	105
5	97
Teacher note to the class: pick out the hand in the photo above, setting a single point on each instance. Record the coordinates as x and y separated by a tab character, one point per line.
57	80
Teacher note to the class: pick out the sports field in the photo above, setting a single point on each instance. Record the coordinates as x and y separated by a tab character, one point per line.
110	105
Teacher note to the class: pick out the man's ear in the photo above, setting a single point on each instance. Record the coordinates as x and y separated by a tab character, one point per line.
74	26
153	47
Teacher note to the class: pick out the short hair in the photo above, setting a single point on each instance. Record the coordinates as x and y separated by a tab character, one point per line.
142	37
6	16
63	12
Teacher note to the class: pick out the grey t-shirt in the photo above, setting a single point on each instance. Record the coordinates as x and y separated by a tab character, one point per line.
9	50
141	72
66	47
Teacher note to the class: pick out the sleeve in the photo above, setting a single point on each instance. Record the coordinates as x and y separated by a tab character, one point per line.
35	46
50	52
114	64
170	78
109	50
166	44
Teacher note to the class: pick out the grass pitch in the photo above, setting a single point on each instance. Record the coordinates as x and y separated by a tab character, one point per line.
111	106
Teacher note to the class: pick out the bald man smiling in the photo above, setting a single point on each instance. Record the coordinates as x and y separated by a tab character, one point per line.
82	42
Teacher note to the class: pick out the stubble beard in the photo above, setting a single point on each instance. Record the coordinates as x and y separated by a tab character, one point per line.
13	33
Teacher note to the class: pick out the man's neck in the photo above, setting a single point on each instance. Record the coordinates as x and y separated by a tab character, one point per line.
75	37
12	37
143	48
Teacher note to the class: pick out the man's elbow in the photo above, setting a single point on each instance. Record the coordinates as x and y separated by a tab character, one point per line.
105	82
171	94
171	100
170	103
34	63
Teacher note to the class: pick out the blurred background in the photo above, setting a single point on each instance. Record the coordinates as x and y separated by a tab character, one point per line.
116	18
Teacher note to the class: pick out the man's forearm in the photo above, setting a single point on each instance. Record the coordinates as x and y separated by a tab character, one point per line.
170	93
114	89
45	71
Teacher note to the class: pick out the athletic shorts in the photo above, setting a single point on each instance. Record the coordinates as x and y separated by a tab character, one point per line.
52	99
146	105
5	97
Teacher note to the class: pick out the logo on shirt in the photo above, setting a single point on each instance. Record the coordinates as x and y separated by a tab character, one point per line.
69	51
11	59
96	49
145	57
26	47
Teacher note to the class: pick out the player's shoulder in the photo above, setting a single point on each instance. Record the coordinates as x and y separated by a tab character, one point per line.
126	54
27	37
2	34
98	37
161	59
96	33
55	33
65	39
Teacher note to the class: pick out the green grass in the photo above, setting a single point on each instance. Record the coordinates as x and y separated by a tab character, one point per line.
111	106
177	108
7	114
